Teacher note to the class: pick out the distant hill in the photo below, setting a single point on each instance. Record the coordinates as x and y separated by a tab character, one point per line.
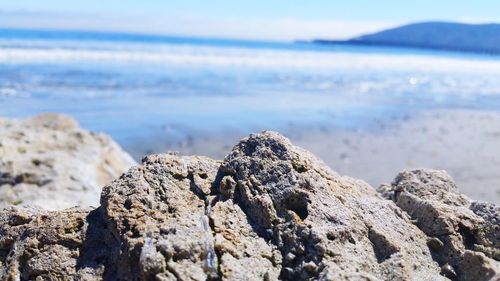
479	38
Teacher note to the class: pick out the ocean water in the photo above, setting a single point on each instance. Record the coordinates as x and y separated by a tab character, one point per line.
170	89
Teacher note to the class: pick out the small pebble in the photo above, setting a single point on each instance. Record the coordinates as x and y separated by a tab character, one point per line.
435	244
448	271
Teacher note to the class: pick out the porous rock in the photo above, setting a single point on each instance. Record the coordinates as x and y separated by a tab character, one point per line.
48	161
326	226
53	245
268	211
464	236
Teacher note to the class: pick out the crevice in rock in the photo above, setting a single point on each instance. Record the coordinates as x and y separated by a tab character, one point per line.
382	247
197	190
215	250
3	255
99	245
212	266
297	203
435	246
175	273
17	260
213	255
239	199
468	237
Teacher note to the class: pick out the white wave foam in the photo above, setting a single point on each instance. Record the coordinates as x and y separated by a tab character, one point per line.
8	92
247	57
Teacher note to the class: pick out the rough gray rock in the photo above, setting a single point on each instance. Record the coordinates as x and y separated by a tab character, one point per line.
464	236
268	211
53	245
49	162
325	226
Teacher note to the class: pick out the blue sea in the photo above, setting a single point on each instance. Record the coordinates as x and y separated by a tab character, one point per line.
170	89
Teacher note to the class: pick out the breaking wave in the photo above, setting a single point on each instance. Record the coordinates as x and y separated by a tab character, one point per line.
184	54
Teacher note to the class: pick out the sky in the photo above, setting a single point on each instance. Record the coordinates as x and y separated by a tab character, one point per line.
280	20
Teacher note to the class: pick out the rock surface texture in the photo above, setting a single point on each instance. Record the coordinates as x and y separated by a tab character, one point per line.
49	162
268	211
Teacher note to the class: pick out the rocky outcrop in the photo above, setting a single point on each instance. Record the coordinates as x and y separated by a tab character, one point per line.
53	245
268	211
464	236
49	162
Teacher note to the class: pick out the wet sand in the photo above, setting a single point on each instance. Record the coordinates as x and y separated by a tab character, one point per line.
465	143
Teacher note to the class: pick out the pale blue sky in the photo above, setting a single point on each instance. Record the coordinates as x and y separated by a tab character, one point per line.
255	19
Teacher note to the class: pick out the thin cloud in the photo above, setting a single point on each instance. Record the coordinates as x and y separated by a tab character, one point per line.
283	29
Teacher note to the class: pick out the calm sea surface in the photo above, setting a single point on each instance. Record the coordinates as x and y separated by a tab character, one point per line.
134	86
